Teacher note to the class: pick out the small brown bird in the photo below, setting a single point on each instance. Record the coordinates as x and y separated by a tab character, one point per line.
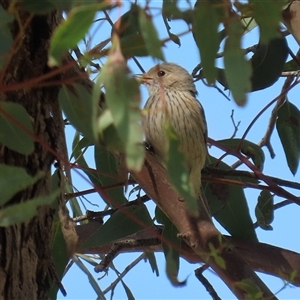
172	98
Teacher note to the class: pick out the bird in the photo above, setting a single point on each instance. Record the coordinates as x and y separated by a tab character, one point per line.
172	99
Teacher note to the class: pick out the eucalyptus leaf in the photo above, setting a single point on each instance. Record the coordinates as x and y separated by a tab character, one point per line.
150	35
69	33
171	244
178	173
121	224
288	128
16	130
268	14
205	31
248	148
123	101
264	210
13	180
228	205
22	212
237	68
77	103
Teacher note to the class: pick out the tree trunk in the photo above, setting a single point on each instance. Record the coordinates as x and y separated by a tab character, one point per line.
25	258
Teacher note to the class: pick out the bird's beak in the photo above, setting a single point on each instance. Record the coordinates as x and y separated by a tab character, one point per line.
143	78
139	78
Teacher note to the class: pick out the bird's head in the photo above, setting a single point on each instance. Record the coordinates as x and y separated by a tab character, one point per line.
168	76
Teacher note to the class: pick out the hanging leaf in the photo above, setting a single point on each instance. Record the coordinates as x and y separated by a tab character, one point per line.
249	149
268	14
152	261
77	103
20	179
123	100
268	62
128	29
152	42
22	212
173	37
206	21
16	130
121	224
237	68
228	205
170	247
127	291
264	210
288	128
108	168
69	33
93	175
178	173
108	135
59	250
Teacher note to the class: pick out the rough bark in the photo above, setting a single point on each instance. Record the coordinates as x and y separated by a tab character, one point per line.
25	257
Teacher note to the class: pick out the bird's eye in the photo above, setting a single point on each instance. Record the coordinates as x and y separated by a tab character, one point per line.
161	73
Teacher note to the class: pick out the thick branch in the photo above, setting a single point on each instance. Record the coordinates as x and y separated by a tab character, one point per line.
261	257
198	232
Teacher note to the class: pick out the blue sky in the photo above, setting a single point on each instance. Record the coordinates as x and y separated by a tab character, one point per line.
142	282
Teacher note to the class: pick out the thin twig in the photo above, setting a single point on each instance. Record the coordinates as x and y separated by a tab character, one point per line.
208	286
235	126
126	270
239	173
99	215
265	141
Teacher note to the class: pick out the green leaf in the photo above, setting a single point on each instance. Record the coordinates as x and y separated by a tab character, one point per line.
79	108
173	37
129	31
228	205
16	128
152	261
20	179
268	62
288	128
68	34
121	224
153	43
123	100
178	173
23	212
268	14
107	166
252	291
59	250
249	149
215	253
108	134
171	244
92	174
206	21
237	68
127	291
5	35
264	210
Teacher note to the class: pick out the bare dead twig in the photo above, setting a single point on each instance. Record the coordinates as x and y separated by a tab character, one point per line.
126	270
199	275
265	141
124	244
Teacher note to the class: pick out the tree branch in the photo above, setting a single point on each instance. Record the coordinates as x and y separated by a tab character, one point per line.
261	257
